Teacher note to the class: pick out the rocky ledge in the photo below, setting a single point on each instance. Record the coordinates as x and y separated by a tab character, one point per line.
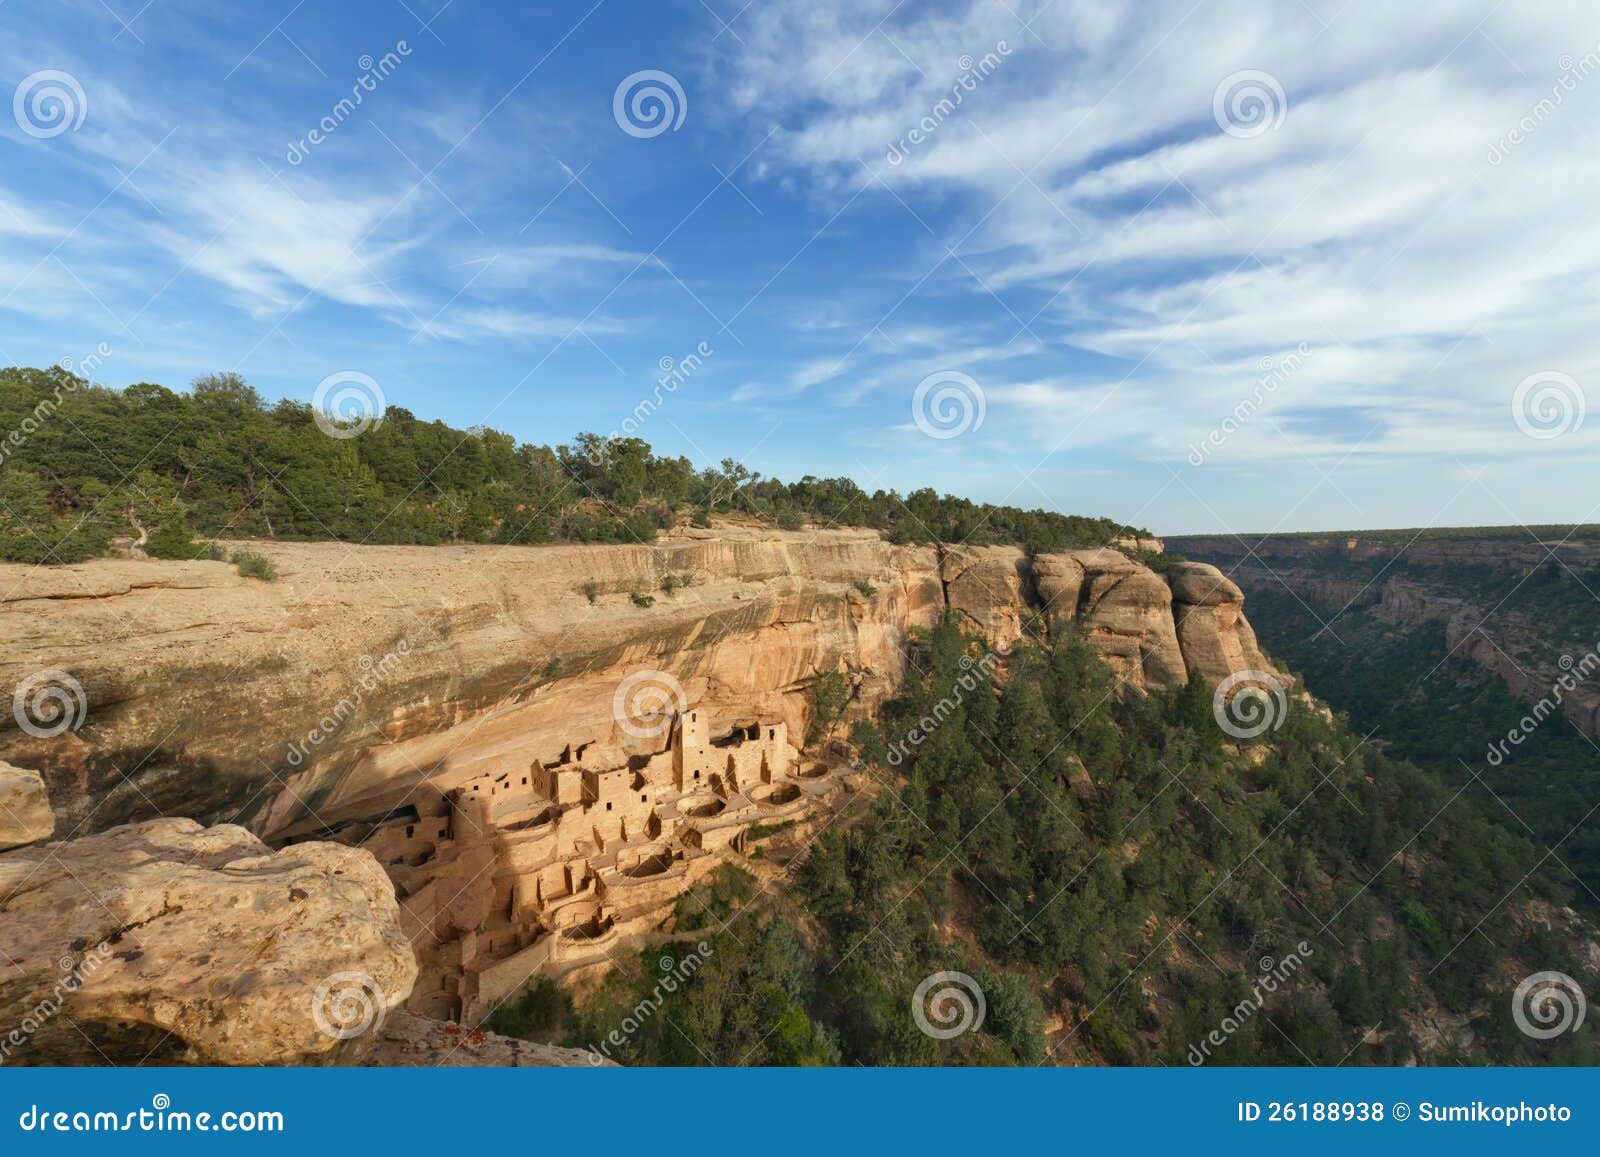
167	942
363	672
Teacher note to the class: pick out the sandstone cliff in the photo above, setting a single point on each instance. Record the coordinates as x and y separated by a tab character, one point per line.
452	713
364	672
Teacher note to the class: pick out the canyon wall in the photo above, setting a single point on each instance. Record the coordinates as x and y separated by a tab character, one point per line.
1472	586
364	671
461	715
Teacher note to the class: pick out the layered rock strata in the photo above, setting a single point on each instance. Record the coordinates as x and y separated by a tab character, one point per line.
459	711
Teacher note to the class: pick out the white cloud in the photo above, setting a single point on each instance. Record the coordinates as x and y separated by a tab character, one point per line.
1086	180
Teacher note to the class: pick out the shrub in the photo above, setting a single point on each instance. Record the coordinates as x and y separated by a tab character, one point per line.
791	520
865	587
701	518
31	532
641	600
829	694
541	1012
669	583
175	541
590	591
253	565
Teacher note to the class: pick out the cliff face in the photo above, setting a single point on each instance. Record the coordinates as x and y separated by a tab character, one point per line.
1484	591
365	671
463	717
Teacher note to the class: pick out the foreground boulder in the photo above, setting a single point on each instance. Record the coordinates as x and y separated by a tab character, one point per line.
25	815
167	942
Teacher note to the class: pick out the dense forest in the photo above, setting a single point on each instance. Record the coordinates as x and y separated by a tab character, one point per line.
1443	712
1118	880
81	464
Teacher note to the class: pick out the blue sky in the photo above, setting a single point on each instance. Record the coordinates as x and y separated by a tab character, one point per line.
1199	266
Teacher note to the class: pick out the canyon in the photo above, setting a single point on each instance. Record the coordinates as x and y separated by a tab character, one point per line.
417	763
1489	592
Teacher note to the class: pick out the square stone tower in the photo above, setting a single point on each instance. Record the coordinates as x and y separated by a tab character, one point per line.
691	763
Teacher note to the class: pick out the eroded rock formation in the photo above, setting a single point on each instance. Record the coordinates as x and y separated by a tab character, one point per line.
166	941
454	711
1460	583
